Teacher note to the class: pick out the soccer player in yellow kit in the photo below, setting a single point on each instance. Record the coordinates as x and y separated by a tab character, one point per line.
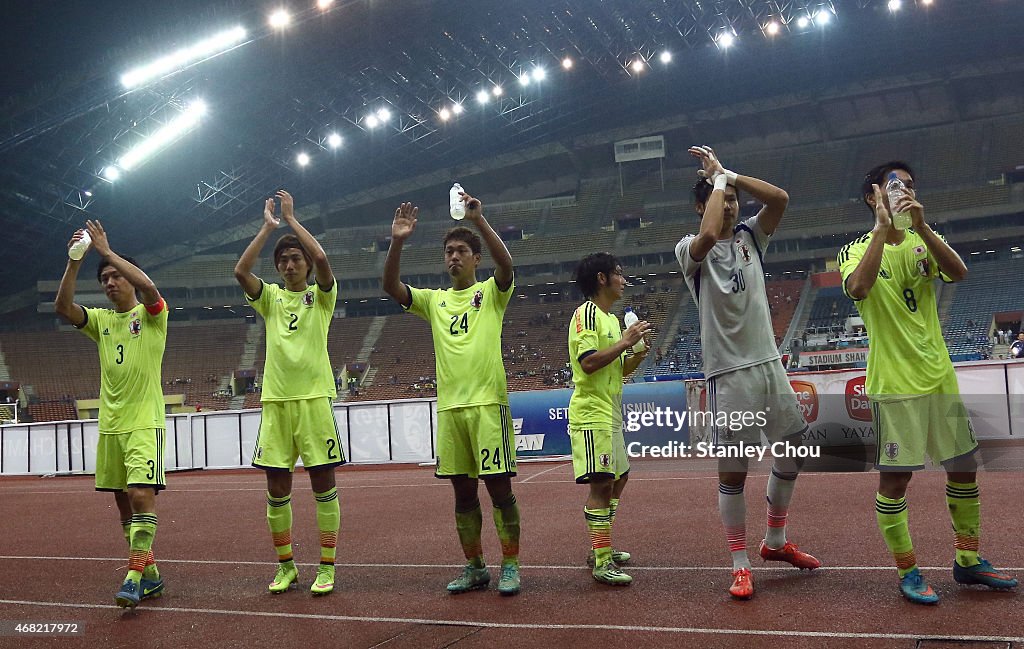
597	354
298	387
474	427
915	400
130	339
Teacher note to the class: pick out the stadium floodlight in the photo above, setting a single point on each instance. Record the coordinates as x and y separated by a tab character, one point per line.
457	108
895	5
324	4
567	63
802	22
926	2
279	19
823	17
170	132
539	73
497	91
483	96
383	114
334	140
772	28
524	79
371	121
88	193
184	57
726	40
637	65
302	159
111	173
444	114
665	57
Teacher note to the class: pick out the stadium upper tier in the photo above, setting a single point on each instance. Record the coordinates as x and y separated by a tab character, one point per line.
960	169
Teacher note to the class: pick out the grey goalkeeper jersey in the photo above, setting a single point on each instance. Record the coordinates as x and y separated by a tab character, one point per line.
728	288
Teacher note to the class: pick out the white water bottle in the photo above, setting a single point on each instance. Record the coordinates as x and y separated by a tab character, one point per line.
77	250
455	203
895	188
630	319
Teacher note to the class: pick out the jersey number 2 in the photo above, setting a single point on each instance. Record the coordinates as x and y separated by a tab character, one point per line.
291	325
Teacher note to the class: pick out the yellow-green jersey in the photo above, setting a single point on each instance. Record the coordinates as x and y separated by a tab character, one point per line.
131	347
297	365
466	327
597	400
907	354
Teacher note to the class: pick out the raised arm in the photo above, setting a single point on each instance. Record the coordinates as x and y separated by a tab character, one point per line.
401	228
949	261
862	279
503	269
775	200
138	279
321	265
714	209
243	269
65	305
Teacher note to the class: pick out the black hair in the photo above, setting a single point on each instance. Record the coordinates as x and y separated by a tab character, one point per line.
877	176
292	241
702	192
105	261
588	269
463	234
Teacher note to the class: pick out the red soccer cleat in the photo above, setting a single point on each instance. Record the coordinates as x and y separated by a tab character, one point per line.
791	555
742	584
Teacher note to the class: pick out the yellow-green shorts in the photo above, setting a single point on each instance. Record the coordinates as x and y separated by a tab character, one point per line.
475	442
299	427
134	459
598	452
936	425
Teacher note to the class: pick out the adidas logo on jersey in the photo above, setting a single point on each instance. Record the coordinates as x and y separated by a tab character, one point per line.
106	332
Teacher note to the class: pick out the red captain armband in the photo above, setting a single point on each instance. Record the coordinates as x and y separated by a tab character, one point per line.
155	309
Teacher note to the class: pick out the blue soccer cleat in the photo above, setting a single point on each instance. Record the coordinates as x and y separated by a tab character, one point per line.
128	596
915	589
151	588
983	573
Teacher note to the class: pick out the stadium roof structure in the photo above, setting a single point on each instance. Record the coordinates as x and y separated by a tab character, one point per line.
281	92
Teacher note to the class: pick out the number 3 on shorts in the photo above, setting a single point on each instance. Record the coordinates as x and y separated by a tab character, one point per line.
494	458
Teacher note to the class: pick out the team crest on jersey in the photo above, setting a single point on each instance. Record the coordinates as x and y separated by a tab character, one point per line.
892	449
605	459
307	298
745	251
923	267
478	299
135	326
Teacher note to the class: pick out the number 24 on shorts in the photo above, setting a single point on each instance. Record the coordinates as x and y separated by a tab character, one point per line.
487	456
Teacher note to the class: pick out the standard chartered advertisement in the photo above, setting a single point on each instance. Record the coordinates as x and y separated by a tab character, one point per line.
541	418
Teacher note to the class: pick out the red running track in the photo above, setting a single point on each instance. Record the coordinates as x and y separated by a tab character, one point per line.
64	557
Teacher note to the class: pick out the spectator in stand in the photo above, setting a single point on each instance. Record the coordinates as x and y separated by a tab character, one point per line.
1017	348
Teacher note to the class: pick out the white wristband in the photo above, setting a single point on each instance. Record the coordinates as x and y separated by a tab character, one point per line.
731	176
721	180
